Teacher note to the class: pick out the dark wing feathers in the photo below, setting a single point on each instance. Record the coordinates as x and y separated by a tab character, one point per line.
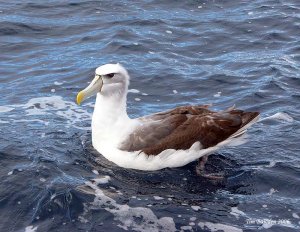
181	127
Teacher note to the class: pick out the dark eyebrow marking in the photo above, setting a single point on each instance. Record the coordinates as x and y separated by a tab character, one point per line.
110	75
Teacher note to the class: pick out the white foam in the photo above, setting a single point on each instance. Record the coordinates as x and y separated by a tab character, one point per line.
127	215
236	212
218	94
195	207
137	99
289	59
82	219
218	227
295	215
175	91
266	225
272	164
169	32
58	83
4	109
272	191
72	114
193	219
133	91
158	198
102	180
31	229
31	120
279	116
189	228
95	172
40	105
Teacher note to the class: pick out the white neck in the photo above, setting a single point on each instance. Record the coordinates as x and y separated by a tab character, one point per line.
110	118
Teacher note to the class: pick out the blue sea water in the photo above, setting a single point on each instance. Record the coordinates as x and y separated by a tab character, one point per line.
223	53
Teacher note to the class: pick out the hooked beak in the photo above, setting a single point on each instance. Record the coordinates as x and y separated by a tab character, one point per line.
94	87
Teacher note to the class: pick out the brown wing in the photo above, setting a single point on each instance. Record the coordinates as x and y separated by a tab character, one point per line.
181	127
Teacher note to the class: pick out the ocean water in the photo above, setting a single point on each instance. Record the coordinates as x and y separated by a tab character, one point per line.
223	53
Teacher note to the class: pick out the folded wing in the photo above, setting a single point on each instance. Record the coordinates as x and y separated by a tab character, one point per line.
181	127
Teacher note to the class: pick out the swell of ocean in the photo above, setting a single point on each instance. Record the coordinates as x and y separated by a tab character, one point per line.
177	53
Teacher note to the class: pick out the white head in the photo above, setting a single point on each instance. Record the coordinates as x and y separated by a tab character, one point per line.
110	80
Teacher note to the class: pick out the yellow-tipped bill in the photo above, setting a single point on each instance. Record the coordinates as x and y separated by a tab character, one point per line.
80	97
91	90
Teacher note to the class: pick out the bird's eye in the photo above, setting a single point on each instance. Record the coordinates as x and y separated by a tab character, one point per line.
110	75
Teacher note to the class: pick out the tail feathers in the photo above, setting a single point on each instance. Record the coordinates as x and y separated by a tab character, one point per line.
248	119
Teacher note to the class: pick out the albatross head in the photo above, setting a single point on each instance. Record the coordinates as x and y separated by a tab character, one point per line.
110	79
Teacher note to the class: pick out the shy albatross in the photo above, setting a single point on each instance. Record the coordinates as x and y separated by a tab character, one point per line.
171	139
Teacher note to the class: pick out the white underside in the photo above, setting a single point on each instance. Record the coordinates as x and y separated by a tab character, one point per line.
169	158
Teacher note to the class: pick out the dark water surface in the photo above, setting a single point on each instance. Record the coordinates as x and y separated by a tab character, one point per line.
193	52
